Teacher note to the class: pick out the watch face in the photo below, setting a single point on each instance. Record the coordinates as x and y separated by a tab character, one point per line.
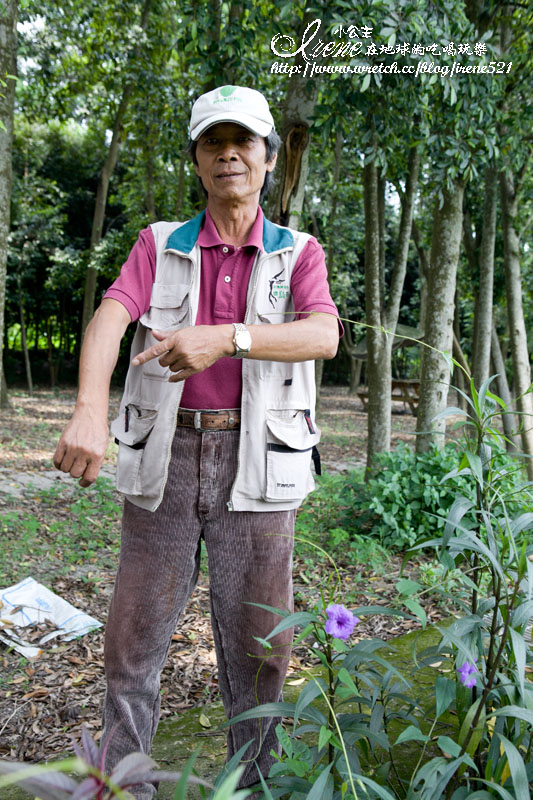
243	340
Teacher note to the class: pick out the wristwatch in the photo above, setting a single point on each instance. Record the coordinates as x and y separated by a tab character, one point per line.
242	340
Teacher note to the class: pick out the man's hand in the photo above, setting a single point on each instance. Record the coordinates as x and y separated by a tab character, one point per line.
189	350
82	446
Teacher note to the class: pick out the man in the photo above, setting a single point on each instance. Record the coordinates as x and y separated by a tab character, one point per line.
215	429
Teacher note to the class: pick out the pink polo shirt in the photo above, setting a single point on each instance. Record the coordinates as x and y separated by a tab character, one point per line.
223	289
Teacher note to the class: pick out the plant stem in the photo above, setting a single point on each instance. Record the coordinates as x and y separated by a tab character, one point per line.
331	696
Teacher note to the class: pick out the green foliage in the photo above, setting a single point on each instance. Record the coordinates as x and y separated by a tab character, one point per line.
324	520
52	781
359	731
407	499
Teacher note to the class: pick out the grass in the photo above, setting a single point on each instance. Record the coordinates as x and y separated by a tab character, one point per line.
56	529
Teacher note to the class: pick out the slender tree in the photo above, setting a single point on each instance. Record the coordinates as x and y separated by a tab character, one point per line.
434	367
382	310
107	171
483	317
517	328
8	66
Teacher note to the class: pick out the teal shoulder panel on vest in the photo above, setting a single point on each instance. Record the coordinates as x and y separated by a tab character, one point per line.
275	237
184	238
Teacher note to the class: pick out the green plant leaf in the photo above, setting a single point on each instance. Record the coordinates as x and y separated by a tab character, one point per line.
417	610
310	692
277	710
322	788
279	611
408	587
520	653
411	734
228	789
381	792
448	746
299	618
323	737
445	690
267	794
522	614
513	711
263	642
391	612
517	769
475	465
467	725
180	793
345	678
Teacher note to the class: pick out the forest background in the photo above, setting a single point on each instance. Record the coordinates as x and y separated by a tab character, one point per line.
414	176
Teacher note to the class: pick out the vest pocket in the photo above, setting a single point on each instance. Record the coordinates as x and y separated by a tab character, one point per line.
131	430
169	305
289	447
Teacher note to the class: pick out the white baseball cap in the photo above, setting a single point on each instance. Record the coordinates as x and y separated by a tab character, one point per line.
238	104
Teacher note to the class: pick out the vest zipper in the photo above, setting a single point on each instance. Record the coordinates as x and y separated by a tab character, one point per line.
251	296
169	454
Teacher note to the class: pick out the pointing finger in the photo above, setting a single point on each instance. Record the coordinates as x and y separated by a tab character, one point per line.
152	352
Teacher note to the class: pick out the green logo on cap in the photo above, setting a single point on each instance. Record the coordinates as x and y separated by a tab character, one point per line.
226	91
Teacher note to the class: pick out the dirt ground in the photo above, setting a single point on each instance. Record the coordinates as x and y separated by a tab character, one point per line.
44	701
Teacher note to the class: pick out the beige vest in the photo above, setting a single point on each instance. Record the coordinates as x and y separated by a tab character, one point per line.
278	398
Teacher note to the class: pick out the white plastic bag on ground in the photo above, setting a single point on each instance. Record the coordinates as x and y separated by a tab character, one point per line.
34	603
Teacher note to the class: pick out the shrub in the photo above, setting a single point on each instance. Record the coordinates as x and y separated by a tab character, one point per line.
408	498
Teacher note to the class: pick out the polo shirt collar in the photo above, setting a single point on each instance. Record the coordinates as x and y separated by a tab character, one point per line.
265	235
209	236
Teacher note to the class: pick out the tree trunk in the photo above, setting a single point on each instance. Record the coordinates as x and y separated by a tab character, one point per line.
151	139
181	186
459	377
356	366
517	328
423	271
434	368
287	195
51	365
319	370
319	363
483	321
24	338
379	344
103	182
498	366
8	66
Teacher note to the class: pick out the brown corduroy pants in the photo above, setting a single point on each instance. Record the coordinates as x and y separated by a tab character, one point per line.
250	560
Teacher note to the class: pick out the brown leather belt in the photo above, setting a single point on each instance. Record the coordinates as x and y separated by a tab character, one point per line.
204	421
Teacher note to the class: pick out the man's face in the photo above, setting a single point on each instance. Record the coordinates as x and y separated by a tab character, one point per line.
231	162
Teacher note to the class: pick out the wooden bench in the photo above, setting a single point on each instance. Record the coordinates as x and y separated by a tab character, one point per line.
405	390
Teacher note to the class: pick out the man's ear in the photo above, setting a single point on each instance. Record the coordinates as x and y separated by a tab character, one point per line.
272	163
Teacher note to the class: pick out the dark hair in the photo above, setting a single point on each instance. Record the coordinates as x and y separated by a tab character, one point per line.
272	145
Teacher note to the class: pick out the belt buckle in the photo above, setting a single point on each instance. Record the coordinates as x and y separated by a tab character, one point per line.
198	422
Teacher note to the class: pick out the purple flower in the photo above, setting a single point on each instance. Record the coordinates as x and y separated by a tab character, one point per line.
341	622
467	674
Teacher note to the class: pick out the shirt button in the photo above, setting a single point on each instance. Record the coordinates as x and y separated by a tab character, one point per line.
227	278
225	249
